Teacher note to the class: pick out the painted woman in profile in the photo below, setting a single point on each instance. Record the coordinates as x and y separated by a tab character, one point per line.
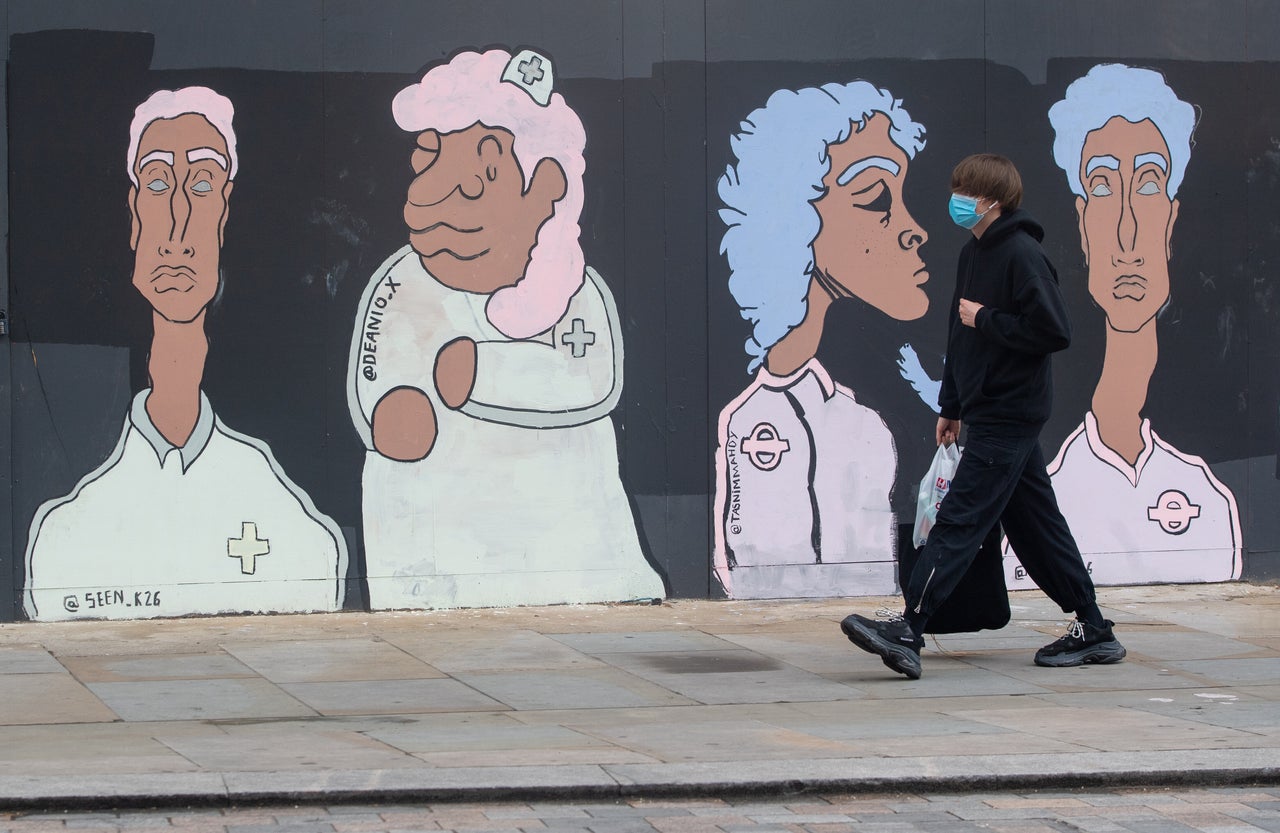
815	215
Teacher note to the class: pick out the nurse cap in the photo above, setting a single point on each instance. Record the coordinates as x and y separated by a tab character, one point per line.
532	73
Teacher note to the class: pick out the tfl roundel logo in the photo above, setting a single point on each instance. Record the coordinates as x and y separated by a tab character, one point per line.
764	448
1174	511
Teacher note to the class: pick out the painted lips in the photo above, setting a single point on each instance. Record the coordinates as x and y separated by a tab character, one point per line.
1133	287
443	238
170	279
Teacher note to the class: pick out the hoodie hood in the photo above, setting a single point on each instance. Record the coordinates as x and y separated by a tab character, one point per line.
1006	224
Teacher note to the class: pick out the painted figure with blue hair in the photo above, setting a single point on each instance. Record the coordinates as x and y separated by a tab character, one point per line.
1142	511
815	214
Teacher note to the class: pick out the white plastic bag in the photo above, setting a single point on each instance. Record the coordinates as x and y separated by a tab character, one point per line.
933	488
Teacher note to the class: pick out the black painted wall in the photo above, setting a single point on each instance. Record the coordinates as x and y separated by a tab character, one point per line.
659	86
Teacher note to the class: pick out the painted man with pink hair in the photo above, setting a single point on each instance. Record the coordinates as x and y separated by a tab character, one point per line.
486	357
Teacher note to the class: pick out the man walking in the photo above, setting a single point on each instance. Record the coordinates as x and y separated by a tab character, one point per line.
1007	317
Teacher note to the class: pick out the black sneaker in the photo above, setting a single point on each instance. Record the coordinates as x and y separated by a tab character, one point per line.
1082	643
892	639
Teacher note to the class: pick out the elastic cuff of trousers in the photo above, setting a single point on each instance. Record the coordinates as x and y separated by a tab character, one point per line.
1074	605
917	621
1092	614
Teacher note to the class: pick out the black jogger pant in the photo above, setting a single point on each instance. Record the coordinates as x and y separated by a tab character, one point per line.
1001	478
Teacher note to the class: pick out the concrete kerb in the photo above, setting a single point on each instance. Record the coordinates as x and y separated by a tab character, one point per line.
596	783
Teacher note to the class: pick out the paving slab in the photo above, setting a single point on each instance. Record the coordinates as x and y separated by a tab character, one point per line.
574	689
820	652
729	740
117	669
331	660
210	699
91	749
344	697
517	650
692	714
1171	644
1124	676
724	677
946	676
1252	671
502	740
273	747
1113	730
1261	719
858	724
36	699
29	661
650	642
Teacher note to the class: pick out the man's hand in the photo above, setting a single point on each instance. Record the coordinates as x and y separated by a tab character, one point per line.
948	431
456	372
969	311
404	425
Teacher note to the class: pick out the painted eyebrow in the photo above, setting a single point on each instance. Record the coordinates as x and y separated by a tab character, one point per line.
1156	159
156	156
1095	162
861	165
196	154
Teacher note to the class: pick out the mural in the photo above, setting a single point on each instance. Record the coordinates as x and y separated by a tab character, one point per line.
486	358
1141	510
400	283
186	516
815	215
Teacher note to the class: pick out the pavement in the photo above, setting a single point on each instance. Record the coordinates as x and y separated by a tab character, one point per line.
602	702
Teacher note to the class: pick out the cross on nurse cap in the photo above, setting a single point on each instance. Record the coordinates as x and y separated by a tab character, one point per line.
531	72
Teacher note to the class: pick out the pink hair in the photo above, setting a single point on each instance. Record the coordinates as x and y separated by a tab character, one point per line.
468	90
169	104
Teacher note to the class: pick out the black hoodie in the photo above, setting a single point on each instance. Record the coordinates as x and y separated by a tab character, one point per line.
997	372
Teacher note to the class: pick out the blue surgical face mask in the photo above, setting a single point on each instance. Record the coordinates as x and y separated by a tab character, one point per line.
964	211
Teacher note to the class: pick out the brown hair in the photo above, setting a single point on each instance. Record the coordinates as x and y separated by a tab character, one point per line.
988	176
